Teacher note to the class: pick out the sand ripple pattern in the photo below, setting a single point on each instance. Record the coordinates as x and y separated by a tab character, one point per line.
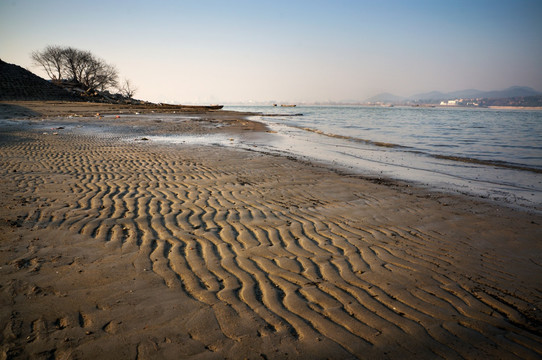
279	254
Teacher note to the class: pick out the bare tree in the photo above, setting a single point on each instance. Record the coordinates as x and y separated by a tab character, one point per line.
51	59
99	75
80	66
76	63
127	89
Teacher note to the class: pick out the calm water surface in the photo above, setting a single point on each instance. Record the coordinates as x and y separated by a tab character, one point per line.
511	136
487	152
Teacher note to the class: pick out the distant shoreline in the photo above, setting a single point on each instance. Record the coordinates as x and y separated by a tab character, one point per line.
400	106
516	107
33	108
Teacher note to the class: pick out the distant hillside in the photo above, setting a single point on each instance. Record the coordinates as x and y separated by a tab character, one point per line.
514	91
526	101
385	98
511	92
17	83
437	96
431	96
469	93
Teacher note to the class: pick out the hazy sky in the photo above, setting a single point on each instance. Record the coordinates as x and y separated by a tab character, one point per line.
222	51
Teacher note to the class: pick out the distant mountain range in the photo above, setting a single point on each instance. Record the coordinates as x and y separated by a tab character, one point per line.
437	96
386	98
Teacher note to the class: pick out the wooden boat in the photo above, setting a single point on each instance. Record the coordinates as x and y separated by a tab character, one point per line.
286	105
196	107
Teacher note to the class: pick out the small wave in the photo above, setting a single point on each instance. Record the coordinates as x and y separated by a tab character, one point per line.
488	162
282	115
462	159
351	138
444	146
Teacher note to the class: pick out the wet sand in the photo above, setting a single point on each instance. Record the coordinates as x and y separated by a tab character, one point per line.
116	248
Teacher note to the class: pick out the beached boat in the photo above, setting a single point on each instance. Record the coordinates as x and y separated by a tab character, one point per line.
286	105
195	107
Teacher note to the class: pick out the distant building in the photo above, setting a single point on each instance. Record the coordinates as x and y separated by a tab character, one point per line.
449	103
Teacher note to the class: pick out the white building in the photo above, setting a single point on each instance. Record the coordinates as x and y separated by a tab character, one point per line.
449	103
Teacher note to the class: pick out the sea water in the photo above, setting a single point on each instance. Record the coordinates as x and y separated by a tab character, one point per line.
490	153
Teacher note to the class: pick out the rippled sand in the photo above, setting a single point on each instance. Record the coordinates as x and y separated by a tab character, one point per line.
131	249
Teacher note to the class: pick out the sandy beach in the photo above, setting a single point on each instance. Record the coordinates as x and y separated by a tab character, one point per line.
116	247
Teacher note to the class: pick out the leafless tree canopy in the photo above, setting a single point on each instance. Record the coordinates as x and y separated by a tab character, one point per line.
67	63
127	89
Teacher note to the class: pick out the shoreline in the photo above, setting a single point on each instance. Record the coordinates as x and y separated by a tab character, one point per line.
515	107
114	249
37	108
442	167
